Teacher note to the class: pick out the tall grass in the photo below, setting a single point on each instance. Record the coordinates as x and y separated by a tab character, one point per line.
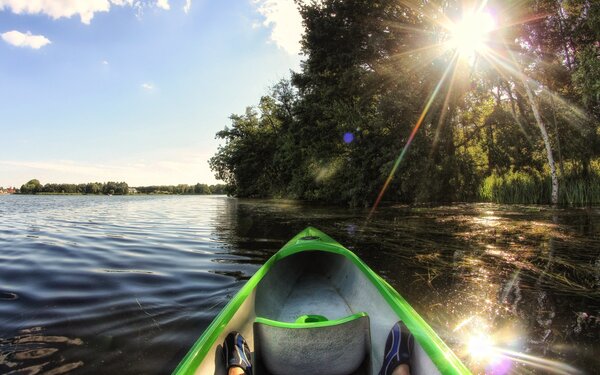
535	188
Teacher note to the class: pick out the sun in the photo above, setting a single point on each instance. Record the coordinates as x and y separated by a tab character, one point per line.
471	34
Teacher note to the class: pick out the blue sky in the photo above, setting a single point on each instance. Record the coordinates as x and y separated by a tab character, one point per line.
132	90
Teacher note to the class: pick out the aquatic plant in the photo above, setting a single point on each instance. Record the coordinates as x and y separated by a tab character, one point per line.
535	188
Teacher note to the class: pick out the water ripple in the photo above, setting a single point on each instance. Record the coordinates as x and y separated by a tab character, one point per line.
95	284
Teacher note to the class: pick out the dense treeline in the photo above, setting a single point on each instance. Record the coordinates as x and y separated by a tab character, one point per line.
117	188
182	189
35	187
523	115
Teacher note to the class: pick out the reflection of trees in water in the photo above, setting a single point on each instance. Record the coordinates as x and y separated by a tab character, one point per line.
541	334
234	228
256	229
511	293
533	268
534	305
597	269
250	231
545	311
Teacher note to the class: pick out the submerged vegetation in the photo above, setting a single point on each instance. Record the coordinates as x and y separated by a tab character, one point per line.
511	115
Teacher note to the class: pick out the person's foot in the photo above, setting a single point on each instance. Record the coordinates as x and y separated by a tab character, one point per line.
236	353
398	349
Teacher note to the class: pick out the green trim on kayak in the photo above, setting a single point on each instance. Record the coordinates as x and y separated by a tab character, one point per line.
316	324
311	319
311	239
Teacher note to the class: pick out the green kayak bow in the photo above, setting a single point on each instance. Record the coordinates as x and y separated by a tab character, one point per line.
311	285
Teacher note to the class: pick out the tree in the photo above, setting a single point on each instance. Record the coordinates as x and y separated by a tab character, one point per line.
245	162
202	189
334	132
31	187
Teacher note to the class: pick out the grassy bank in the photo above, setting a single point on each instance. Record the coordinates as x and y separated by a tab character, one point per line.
530	188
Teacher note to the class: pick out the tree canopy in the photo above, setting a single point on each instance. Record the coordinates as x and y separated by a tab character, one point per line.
378	75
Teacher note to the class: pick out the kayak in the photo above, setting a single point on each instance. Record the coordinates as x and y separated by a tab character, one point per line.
315	307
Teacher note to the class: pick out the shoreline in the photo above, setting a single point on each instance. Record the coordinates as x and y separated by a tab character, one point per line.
109	195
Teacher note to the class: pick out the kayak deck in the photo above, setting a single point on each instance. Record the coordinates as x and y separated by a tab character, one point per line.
319	277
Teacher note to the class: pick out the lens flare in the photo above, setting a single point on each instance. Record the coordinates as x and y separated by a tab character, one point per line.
348	137
471	34
482	41
411	137
477	36
481	347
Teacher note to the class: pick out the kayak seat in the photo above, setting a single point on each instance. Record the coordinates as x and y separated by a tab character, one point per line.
313	345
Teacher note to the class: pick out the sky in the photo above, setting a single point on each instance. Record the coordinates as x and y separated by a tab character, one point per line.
132	90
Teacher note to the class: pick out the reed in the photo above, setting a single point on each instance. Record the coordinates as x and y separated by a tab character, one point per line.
535	188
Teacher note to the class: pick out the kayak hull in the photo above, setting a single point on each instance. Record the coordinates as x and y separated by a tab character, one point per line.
314	275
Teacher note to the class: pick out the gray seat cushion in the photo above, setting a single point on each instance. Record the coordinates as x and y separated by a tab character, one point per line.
339	347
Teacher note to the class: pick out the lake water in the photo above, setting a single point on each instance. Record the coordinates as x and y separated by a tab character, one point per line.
97	284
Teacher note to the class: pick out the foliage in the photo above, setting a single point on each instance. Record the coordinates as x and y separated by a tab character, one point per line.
117	188
182	189
35	187
31	187
516	187
245	163
333	131
524	188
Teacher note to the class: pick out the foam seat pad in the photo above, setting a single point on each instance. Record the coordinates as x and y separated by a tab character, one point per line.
339	347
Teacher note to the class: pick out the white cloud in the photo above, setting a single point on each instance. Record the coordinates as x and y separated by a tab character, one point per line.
58	8
85	9
283	18
18	39
163	4
125	2
104	62
187	6
147	86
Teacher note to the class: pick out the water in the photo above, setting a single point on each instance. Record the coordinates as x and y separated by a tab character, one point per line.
96	284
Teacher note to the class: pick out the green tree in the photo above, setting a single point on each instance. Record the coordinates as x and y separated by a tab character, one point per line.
334	132
31	187
201	189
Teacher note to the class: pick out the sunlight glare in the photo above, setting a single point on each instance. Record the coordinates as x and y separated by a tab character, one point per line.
471	34
481	347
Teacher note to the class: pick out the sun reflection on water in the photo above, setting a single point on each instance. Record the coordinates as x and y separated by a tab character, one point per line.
506	277
502	351
481	347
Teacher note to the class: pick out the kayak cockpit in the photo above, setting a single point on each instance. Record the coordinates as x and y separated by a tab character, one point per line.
303	283
314	278
313	345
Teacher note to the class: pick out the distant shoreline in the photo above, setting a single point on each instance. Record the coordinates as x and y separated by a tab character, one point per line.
34	187
116	195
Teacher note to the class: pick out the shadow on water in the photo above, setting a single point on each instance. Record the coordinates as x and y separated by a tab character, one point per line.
527	277
129	283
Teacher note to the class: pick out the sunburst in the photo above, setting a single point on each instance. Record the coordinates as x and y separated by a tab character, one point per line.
471	34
